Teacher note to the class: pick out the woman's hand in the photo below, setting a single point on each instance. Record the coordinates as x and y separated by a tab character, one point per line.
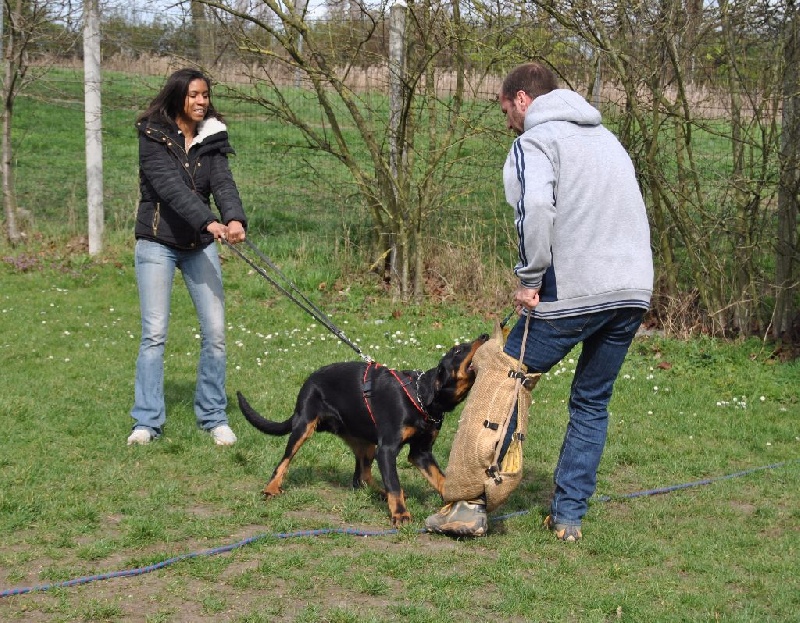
233	232
236	232
218	230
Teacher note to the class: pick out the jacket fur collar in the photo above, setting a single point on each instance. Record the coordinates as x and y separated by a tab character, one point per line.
208	128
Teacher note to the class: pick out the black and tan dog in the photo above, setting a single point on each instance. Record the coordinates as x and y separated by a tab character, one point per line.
376	411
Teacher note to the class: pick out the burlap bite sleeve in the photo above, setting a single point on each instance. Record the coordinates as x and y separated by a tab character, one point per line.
475	468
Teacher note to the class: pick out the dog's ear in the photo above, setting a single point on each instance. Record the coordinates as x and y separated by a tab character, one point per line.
442	376
426	391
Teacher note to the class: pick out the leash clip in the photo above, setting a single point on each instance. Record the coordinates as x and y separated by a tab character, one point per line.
492	473
526	380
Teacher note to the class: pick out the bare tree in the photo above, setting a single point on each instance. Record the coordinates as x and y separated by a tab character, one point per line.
30	26
694	90
787	264
711	234
401	190
203	34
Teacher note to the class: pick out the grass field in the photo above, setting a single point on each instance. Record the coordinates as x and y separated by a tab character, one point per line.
285	184
75	501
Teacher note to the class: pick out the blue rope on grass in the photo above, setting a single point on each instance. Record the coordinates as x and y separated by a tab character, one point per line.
347	531
687	485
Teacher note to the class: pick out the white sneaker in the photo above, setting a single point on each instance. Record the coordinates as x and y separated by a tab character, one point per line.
223	435
139	437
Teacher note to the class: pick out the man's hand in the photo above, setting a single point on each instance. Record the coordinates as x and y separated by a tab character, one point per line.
525	298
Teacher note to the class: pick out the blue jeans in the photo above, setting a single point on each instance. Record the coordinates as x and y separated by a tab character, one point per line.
606	337
155	270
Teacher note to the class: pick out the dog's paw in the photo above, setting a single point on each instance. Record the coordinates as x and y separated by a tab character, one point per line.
401	519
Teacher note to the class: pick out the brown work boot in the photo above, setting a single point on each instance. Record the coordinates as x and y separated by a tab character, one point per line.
569	533
460	518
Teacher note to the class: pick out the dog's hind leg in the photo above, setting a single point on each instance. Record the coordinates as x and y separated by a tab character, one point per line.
364	452
296	439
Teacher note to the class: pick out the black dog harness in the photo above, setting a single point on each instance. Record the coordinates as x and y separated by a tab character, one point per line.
367	389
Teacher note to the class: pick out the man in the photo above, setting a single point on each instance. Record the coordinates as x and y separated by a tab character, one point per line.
585	274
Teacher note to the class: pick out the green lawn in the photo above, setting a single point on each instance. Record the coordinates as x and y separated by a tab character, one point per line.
76	501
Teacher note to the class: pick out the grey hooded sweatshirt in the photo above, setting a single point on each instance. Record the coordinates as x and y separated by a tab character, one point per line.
584	239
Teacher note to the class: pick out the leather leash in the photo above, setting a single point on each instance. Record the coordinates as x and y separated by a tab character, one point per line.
293	293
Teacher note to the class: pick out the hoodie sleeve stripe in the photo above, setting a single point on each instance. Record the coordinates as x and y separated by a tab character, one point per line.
519	221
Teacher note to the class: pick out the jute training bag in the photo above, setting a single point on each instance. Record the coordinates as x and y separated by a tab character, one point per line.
475	467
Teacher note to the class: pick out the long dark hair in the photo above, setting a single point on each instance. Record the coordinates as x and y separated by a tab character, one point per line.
169	102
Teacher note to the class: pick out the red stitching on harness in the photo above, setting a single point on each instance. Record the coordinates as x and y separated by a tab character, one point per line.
410	397
367	391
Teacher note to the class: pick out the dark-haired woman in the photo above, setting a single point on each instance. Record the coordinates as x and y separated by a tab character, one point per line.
183	161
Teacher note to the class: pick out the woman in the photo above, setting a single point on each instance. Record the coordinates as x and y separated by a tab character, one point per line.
183	160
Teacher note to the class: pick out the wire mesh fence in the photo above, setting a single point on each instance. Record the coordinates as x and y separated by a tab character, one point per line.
702	122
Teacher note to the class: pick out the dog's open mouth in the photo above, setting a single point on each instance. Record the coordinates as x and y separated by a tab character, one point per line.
475	346
467	367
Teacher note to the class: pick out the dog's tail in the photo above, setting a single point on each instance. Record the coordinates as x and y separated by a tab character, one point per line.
260	422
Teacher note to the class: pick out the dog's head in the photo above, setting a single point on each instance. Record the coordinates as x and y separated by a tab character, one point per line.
455	374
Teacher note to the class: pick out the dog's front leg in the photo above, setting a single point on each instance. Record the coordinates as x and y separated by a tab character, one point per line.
420	455
427	465
397	508
387	463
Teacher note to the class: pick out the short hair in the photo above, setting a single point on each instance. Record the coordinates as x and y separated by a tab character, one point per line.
169	102
533	78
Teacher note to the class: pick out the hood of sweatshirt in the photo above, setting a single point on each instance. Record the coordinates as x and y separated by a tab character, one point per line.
561	105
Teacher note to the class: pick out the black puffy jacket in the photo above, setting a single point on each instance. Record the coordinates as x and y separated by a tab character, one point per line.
176	186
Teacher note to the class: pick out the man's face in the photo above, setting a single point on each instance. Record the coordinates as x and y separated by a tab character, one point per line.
514	109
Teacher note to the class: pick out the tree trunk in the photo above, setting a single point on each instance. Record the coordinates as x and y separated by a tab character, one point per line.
203	36
9	198
786	263
9	78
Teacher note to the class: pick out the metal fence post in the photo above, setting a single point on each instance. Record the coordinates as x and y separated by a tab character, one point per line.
397	31
93	124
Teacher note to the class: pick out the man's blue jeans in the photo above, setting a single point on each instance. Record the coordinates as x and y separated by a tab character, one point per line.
606	337
155	270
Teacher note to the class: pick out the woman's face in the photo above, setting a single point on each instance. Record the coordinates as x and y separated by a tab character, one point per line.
195	106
